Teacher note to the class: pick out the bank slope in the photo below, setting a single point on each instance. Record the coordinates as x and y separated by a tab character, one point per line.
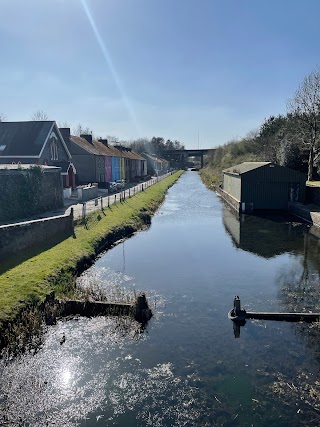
57	267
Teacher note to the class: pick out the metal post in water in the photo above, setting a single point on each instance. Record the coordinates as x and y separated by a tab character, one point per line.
237	305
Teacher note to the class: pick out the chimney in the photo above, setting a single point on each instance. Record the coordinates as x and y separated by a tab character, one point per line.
65	132
104	142
87	138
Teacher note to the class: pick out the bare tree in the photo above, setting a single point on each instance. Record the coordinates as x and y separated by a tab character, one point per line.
81	130
305	105
39	115
2	117
63	125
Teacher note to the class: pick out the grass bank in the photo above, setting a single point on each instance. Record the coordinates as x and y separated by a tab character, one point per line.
57	267
210	177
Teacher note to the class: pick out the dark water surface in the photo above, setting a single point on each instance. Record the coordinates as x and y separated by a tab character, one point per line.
187	368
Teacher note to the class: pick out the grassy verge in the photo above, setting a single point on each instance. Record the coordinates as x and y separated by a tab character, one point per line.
313	183
210	177
57	267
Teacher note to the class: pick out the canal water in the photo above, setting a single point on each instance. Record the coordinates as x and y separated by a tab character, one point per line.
186	368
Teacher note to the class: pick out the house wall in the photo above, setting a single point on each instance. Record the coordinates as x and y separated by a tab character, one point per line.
46	154
127	163
20	237
85	166
122	168
144	168
100	169
108	168
115	168
137	168
232	185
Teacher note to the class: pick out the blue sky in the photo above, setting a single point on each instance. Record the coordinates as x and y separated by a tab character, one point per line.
171	68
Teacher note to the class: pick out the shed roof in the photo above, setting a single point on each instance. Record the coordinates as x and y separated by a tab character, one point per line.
245	167
23	138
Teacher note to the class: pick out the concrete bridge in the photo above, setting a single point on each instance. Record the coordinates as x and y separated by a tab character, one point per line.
183	155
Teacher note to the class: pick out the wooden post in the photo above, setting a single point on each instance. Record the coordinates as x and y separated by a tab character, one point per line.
129	193
71	221
84	212
108	202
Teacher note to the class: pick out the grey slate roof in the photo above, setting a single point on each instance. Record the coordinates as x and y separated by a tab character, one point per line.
23	138
245	167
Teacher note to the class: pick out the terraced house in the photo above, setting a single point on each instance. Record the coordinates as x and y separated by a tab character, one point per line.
100	162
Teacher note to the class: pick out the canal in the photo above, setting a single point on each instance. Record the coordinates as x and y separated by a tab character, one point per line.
186	368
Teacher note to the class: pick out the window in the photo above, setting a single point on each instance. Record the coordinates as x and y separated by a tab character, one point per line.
54	150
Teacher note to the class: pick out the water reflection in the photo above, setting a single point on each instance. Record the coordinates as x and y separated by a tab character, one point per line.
266	236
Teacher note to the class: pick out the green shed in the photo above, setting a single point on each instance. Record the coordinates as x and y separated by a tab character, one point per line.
263	185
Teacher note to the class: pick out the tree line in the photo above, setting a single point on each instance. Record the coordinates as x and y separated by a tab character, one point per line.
291	139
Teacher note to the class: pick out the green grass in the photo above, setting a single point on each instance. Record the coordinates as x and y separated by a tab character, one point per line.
57	267
210	177
313	183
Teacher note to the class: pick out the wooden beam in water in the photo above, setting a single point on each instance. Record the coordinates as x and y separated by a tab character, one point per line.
288	317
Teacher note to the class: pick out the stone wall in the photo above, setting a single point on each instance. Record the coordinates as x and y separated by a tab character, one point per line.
27	192
304	212
87	193
18	238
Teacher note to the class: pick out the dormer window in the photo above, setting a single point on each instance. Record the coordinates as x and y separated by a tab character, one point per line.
54	150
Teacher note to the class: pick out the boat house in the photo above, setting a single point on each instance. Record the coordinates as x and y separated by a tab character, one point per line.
252	186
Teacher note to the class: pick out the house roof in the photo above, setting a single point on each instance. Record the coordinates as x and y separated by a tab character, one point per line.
245	167
83	143
106	150
23	138
154	157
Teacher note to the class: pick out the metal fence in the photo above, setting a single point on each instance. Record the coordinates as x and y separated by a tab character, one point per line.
102	202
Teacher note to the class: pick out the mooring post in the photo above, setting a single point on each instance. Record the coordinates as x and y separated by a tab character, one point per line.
142	311
237	305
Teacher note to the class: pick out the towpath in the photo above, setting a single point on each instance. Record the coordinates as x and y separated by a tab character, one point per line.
94	204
